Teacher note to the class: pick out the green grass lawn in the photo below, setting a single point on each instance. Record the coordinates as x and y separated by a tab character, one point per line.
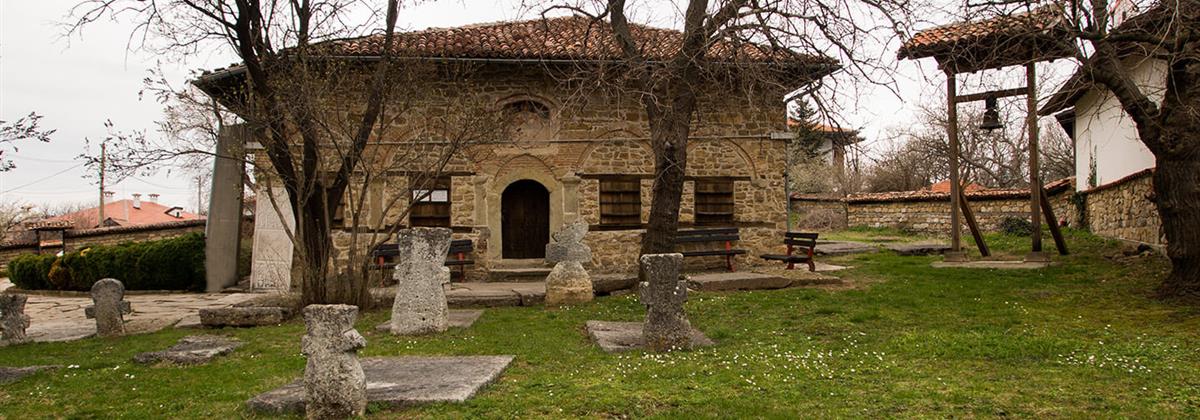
1079	339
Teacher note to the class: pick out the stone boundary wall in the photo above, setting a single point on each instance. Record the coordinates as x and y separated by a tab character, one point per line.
927	211
1122	209
78	238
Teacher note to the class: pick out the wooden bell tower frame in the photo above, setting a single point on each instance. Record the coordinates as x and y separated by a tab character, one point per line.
1022	39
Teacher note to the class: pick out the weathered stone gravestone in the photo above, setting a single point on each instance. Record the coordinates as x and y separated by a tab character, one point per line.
666	327
569	282
192	350
107	295
334	384
421	281
13	320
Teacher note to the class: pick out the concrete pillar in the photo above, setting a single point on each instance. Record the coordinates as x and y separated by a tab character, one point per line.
223	229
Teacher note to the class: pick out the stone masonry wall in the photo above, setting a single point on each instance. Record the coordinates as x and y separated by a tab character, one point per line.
589	135
1122	210
924	211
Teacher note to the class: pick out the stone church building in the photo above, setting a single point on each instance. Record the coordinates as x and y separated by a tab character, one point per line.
576	155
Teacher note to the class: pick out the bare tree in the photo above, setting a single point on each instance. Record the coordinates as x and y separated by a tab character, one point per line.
283	76
24	128
335	130
1167	30
997	158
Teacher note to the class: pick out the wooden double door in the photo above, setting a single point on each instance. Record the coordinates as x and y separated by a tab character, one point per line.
525	220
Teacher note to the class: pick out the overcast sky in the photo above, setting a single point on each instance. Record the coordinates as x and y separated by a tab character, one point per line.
80	82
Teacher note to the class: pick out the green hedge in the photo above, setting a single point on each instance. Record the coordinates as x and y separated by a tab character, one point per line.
168	264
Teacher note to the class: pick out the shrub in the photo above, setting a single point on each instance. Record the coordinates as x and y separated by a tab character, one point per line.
168	264
1016	226
29	271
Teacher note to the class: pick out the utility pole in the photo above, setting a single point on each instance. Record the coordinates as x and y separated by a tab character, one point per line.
100	210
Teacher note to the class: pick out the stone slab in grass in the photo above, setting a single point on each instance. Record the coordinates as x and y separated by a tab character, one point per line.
13	374
711	282
459	318
919	248
844	248
823	267
192	350
624	336
402	381
248	316
608	283
999	265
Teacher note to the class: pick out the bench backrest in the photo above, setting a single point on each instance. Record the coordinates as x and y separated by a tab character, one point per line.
801	239
461	246
457	246
707	235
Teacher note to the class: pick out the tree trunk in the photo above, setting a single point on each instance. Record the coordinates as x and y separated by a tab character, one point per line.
670	162
1177	197
320	284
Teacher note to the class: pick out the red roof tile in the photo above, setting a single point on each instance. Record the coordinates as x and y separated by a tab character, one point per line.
996	42
122	213
561	38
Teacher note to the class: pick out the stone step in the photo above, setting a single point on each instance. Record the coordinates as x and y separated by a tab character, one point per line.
523	274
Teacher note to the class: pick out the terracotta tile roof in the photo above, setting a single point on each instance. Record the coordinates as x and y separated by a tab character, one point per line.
122	213
561	38
995	42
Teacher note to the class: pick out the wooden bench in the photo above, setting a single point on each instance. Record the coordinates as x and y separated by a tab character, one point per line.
457	256
806	242
725	236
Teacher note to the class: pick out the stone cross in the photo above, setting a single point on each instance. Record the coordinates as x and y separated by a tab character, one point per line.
13	320
666	327
334	384
106	299
569	283
421	281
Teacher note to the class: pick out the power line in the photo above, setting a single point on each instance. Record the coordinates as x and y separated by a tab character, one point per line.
41	179
35	159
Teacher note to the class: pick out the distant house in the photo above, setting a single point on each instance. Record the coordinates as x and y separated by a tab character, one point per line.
128	212
833	142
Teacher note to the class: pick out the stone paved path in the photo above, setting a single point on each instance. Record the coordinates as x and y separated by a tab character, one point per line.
61	318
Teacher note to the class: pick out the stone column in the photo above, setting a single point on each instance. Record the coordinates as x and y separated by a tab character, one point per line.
223	228
13	320
421	280
666	327
570	197
107	295
334	384
271	268
569	283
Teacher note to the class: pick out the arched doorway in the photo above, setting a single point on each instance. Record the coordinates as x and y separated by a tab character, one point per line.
525	220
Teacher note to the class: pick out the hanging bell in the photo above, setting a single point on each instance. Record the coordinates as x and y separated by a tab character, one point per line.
991	114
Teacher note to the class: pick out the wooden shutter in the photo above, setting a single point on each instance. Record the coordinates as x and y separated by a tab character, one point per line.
714	202
621	202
